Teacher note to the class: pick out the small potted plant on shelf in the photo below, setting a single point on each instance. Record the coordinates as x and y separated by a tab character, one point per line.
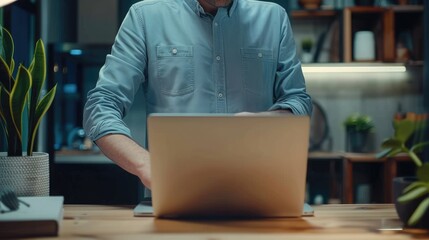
411	194
358	126
22	106
306	46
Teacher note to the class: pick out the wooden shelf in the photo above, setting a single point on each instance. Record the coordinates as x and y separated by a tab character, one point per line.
408	8
305	14
365	9
383	29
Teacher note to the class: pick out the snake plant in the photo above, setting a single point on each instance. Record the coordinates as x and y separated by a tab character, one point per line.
21	96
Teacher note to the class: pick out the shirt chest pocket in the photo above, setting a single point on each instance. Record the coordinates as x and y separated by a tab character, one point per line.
258	68
175	69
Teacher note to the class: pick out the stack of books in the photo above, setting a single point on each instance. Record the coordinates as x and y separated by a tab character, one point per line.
41	218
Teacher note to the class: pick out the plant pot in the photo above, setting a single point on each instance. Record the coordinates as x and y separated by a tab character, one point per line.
405	210
25	175
357	141
306	57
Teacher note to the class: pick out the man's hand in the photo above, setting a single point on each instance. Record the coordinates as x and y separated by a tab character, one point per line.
143	172
128	155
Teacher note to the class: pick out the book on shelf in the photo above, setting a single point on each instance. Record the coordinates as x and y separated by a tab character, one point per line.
41	218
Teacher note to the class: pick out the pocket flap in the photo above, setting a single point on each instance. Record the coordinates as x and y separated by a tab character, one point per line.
257	53
174	51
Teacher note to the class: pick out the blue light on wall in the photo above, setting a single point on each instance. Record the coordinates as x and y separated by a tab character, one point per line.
76	52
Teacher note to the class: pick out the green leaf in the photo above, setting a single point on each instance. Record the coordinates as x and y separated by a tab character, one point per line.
392	143
395	152
423	173
403	129
18	98
413	186
12	66
419	146
14	146
383	153
2	109
413	194
38	71
41	109
415	158
419	212
5	75
8	47
38	75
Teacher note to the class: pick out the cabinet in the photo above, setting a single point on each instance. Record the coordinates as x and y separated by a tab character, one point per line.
398	31
377	20
93	183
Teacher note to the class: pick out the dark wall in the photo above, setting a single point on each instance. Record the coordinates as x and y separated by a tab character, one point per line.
124	5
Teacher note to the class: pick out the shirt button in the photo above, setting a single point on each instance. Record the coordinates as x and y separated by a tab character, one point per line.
260	55
174	51
220	95
218	58
216	24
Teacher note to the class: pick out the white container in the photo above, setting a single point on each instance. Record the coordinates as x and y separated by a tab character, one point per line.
364	46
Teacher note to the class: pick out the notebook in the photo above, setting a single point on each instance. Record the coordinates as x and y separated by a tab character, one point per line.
40	217
228	166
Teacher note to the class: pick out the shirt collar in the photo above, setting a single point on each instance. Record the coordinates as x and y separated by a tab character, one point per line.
196	7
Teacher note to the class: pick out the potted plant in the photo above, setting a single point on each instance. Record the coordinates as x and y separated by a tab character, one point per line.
358	127
306	46
411	194
22	106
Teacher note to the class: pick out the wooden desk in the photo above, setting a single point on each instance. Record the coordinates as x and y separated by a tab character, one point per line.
330	222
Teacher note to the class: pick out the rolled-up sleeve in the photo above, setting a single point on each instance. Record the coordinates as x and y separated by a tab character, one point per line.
119	79
289	88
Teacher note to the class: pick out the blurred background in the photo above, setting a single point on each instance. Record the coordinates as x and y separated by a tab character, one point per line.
362	60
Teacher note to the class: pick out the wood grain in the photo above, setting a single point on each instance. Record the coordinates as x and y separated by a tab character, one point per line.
348	221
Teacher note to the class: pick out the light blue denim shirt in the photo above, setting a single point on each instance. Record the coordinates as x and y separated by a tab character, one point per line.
187	61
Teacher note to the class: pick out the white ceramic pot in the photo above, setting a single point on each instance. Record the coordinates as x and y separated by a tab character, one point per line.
25	175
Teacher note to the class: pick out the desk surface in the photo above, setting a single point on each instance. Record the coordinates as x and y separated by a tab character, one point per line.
330	222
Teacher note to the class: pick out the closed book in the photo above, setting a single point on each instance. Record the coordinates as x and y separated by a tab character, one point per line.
41	218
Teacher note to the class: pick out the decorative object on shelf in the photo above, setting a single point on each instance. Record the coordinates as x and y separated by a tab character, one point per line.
319	128
411	194
364	46
22	102
306	46
310	4
358	128
404	46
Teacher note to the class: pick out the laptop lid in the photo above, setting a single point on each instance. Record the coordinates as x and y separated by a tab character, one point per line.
225	165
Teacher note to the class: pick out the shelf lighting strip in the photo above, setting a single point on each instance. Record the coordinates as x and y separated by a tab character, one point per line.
5	2
354	69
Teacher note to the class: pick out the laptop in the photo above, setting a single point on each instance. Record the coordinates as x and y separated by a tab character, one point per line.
227	166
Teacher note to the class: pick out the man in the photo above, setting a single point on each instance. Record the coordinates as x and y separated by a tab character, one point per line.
198	56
